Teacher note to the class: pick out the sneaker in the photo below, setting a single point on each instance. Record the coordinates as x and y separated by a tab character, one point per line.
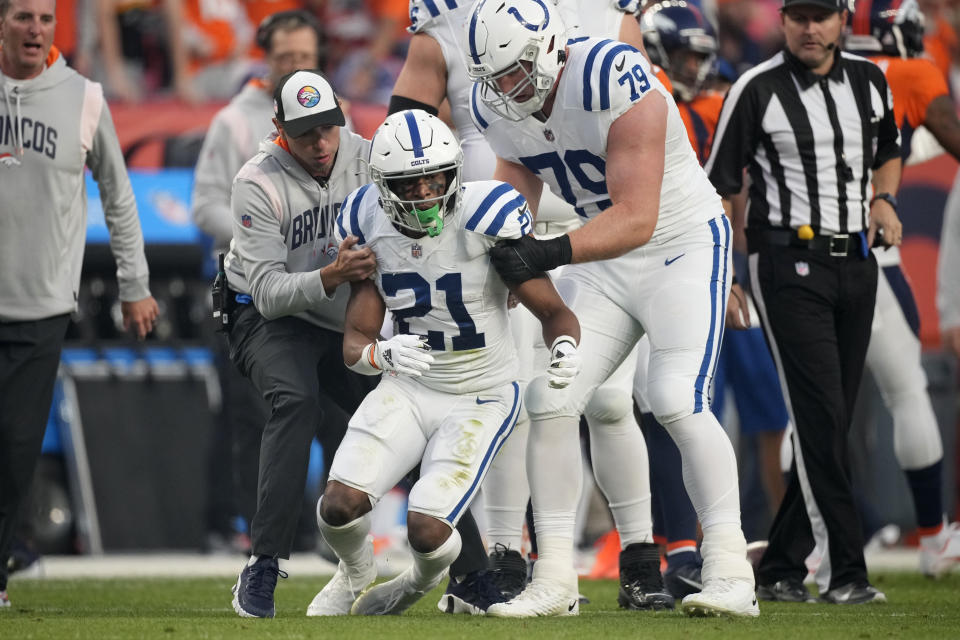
508	570
546	595
4	600
473	594
723	597
253	593
940	553
641	585
346	585
853	593
393	597
787	590
682	580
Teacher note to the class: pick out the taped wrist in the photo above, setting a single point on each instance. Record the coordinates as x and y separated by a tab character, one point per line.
367	364
560	339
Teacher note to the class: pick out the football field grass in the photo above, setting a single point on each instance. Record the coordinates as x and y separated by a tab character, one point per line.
200	608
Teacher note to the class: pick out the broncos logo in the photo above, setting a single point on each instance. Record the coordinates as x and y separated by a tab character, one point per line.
532	26
8	160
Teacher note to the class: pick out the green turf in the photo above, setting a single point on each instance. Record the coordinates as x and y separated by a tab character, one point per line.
200	608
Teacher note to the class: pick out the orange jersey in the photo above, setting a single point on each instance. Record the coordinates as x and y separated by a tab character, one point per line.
914	83
700	116
941	45
662	77
214	21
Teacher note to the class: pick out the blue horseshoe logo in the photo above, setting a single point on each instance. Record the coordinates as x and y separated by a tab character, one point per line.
530	25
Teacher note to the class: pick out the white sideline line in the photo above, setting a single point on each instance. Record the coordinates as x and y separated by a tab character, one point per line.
193	565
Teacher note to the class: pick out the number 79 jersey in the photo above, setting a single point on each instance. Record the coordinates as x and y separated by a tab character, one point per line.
445	288
601	80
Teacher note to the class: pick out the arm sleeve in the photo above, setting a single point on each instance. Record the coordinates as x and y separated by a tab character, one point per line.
217	165
948	266
105	160
888	134
263	253
735	139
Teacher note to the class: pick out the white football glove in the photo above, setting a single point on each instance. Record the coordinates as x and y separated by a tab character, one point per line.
402	354
565	363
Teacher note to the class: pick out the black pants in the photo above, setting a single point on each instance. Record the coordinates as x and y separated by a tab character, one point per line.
816	311
298	368
29	357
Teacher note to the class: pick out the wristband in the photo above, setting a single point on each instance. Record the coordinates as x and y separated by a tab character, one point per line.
366	363
892	200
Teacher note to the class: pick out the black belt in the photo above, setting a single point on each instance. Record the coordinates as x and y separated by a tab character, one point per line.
840	245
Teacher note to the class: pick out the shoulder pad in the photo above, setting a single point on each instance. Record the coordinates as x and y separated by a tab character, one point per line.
355	217
424	12
495	209
612	73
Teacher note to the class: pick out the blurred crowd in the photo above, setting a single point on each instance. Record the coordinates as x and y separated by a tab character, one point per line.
130	47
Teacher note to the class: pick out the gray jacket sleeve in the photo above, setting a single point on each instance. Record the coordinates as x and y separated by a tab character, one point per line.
220	160
948	267
262	250
105	160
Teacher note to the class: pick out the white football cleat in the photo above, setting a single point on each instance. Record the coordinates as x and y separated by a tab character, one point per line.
393	597
940	553
346	585
546	595
723	597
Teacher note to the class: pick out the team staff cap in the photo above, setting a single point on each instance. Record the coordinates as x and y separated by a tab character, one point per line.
304	100
832	5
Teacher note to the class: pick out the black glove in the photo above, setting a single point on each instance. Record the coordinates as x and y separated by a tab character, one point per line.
520	260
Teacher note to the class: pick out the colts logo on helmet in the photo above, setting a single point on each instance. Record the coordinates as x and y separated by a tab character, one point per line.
532	26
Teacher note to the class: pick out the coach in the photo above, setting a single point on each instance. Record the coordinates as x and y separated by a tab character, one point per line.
814	126
55	123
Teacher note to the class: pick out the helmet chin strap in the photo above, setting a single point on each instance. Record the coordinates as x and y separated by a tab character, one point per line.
431	220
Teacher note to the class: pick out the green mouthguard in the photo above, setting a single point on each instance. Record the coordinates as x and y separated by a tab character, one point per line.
431	220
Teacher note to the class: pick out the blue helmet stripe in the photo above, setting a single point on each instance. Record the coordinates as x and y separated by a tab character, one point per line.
496	193
473	33
587	73
476	112
605	73
414	134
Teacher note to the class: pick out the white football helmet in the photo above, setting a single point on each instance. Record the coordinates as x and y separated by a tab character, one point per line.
501	35
409	145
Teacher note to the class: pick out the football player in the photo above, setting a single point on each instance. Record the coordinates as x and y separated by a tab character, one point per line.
450	398
435	70
589	118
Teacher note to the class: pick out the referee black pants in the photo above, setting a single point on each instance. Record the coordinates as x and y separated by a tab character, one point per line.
29	357
816	311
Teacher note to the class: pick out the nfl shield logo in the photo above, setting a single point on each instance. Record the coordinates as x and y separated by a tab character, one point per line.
803	269
246	221
548	134
416	250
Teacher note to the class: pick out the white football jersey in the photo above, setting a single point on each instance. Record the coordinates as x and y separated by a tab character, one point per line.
445	287
601	80
445	22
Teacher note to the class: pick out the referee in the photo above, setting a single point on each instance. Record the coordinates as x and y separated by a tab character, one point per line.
815	127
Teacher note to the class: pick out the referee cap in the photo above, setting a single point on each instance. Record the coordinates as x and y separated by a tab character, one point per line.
832	5
304	100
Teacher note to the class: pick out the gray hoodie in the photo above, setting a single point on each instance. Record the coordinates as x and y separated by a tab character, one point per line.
51	126
233	138
283	231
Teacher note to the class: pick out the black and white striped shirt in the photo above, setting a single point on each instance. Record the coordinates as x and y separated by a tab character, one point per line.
810	142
